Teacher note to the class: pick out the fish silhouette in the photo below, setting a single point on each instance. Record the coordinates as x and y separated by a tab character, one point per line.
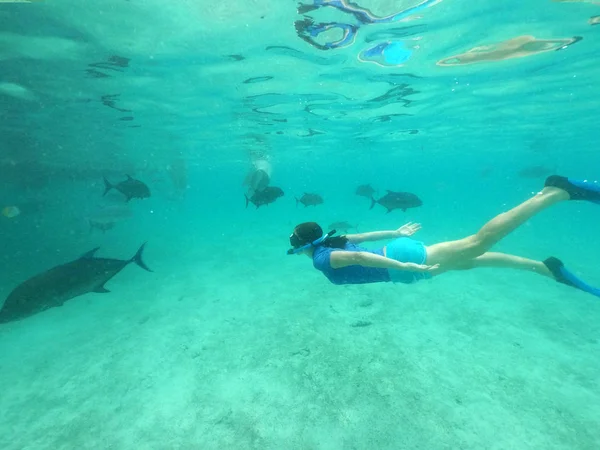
54	287
130	188
397	200
266	196
365	190
309	200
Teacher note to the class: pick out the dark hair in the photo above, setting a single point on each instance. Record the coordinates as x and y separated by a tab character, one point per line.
335	242
308	232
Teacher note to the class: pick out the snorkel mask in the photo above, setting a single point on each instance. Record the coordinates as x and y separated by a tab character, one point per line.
297	246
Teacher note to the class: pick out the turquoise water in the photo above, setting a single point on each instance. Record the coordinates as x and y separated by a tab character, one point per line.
231	344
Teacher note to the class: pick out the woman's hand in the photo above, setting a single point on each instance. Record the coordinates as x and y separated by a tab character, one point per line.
408	229
412	267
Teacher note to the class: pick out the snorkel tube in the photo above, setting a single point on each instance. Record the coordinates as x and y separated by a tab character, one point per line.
315	243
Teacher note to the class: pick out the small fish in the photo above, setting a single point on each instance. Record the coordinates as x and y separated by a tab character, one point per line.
365	190
10	212
101	225
342	226
397	200
309	200
54	287
130	188
536	172
266	196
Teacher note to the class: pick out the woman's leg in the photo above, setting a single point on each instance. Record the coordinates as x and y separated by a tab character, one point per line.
501	260
551	267
454	253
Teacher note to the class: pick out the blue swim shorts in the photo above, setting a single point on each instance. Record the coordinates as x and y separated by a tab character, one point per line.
407	250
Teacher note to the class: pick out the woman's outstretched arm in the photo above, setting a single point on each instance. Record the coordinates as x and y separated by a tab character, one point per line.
405	230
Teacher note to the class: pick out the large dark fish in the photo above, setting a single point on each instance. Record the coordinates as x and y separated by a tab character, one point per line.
130	188
309	200
365	190
397	200
264	197
61	283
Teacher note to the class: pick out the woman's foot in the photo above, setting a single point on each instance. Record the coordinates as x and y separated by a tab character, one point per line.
562	275
577	189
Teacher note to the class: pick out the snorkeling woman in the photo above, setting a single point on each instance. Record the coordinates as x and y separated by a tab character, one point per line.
406	260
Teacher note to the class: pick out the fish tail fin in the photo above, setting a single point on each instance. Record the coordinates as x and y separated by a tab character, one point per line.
297	201
107	186
373	201
138	258
247	200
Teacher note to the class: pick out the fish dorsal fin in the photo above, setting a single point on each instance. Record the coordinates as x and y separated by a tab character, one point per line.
101	290
90	254
128	177
389	192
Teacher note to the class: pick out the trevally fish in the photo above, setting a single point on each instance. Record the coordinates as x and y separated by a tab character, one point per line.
130	188
61	283
264	197
397	200
309	200
365	190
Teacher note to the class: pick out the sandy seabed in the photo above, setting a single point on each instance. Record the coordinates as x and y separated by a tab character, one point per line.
252	353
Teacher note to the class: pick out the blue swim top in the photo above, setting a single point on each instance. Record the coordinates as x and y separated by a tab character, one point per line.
350	274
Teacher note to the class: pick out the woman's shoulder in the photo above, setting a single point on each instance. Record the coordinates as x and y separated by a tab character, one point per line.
321	258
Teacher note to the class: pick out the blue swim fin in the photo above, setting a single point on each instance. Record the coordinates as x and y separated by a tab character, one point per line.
577	189
562	275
